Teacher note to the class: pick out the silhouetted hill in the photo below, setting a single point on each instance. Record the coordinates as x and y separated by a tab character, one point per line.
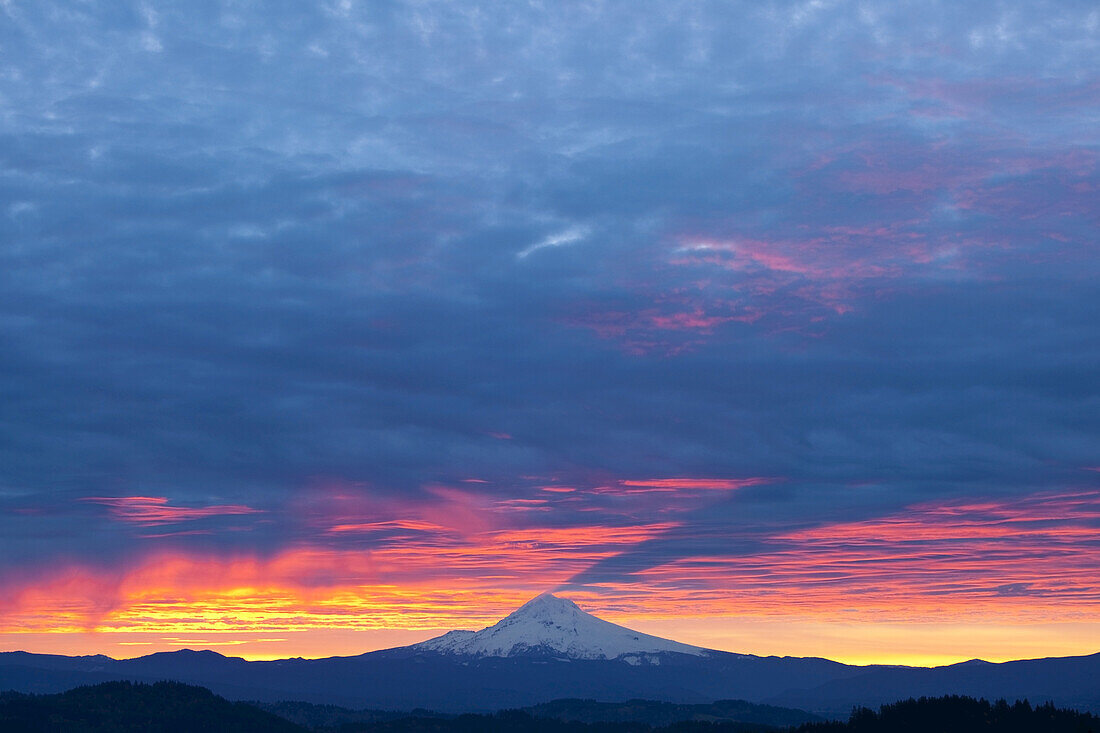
124	707
314	716
649	712
1072	682
951	714
518	721
655	712
407	679
169	707
404	678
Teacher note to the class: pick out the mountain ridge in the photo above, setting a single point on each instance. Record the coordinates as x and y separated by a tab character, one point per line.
550	649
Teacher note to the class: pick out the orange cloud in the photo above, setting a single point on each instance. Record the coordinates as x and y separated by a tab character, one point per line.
425	579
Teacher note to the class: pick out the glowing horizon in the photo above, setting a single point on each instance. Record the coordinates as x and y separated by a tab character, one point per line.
859	643
768	327
1027	574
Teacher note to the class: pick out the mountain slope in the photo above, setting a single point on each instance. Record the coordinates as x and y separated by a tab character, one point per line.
555	626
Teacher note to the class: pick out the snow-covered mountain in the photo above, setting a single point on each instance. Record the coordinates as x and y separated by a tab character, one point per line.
556	626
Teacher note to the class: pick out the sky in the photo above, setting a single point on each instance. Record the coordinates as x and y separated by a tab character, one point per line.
770	327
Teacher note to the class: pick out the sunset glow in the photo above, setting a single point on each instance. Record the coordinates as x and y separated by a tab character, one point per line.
766	327
939	568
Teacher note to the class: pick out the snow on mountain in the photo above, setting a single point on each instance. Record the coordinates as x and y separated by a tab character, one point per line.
551	625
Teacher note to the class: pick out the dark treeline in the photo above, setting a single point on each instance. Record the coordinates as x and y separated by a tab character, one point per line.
125	707
927	715
952	714
955	714
169	707
330	717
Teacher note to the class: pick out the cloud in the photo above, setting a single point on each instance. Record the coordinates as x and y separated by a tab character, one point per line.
689	484
364	280
569	236
151	511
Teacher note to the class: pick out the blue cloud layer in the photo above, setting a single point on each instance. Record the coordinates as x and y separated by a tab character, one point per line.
248	249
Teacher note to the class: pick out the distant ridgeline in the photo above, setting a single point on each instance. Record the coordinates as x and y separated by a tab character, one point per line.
171	707
551	649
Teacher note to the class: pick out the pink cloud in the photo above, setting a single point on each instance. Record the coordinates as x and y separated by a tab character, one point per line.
677	323
155	510
388	526
975	98
1031	558
675	484
694	320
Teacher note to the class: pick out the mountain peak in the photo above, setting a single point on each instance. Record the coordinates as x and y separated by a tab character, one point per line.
553	626
546	603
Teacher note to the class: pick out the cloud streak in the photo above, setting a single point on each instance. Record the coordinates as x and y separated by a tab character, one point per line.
151	511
